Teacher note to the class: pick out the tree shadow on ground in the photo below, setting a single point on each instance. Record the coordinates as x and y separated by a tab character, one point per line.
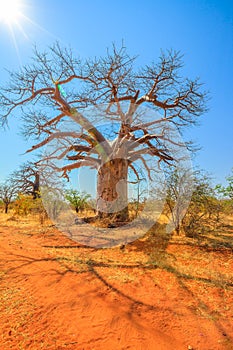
154	245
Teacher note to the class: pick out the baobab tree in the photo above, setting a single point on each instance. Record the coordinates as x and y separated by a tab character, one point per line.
27	179
59	87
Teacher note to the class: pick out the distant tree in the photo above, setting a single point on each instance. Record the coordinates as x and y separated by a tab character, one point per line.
78	200
204	208
190	201
175	192
27	179
226	191
174	197
8	192
139	191
58	81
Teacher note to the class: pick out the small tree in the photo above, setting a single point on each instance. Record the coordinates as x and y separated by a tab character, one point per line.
204	208
8	192
139	192
226	191
190	202
173	202
78	200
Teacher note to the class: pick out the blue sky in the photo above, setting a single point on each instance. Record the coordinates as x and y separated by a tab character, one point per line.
201	30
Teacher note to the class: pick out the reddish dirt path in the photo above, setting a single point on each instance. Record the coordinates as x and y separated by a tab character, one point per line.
49	300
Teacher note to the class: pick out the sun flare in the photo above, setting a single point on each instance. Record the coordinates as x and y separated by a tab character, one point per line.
15	16
10	11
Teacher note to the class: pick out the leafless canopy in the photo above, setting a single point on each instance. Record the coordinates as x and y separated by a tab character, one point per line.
58	86
26	179
8	192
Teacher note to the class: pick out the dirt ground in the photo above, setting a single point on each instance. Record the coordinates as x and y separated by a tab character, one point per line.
152	294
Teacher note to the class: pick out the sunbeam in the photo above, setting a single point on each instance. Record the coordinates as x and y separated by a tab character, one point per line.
14	16
15	45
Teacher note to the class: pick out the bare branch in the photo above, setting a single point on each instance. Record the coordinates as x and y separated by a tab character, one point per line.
58	135
57	88
76	166
134	170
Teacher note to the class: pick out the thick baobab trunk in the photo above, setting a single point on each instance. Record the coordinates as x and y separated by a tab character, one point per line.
36	187
112	190
6	207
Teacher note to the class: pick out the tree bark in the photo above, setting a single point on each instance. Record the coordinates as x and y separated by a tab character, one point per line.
6	207
36	187
112	190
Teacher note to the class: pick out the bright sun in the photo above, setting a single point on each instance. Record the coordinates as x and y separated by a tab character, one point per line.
10	11
14	18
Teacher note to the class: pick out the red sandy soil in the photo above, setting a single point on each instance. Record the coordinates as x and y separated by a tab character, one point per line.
56	294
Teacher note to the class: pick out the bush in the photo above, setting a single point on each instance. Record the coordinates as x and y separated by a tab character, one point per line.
23	204
26	204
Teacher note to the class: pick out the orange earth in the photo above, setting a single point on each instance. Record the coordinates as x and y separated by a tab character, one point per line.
151	294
